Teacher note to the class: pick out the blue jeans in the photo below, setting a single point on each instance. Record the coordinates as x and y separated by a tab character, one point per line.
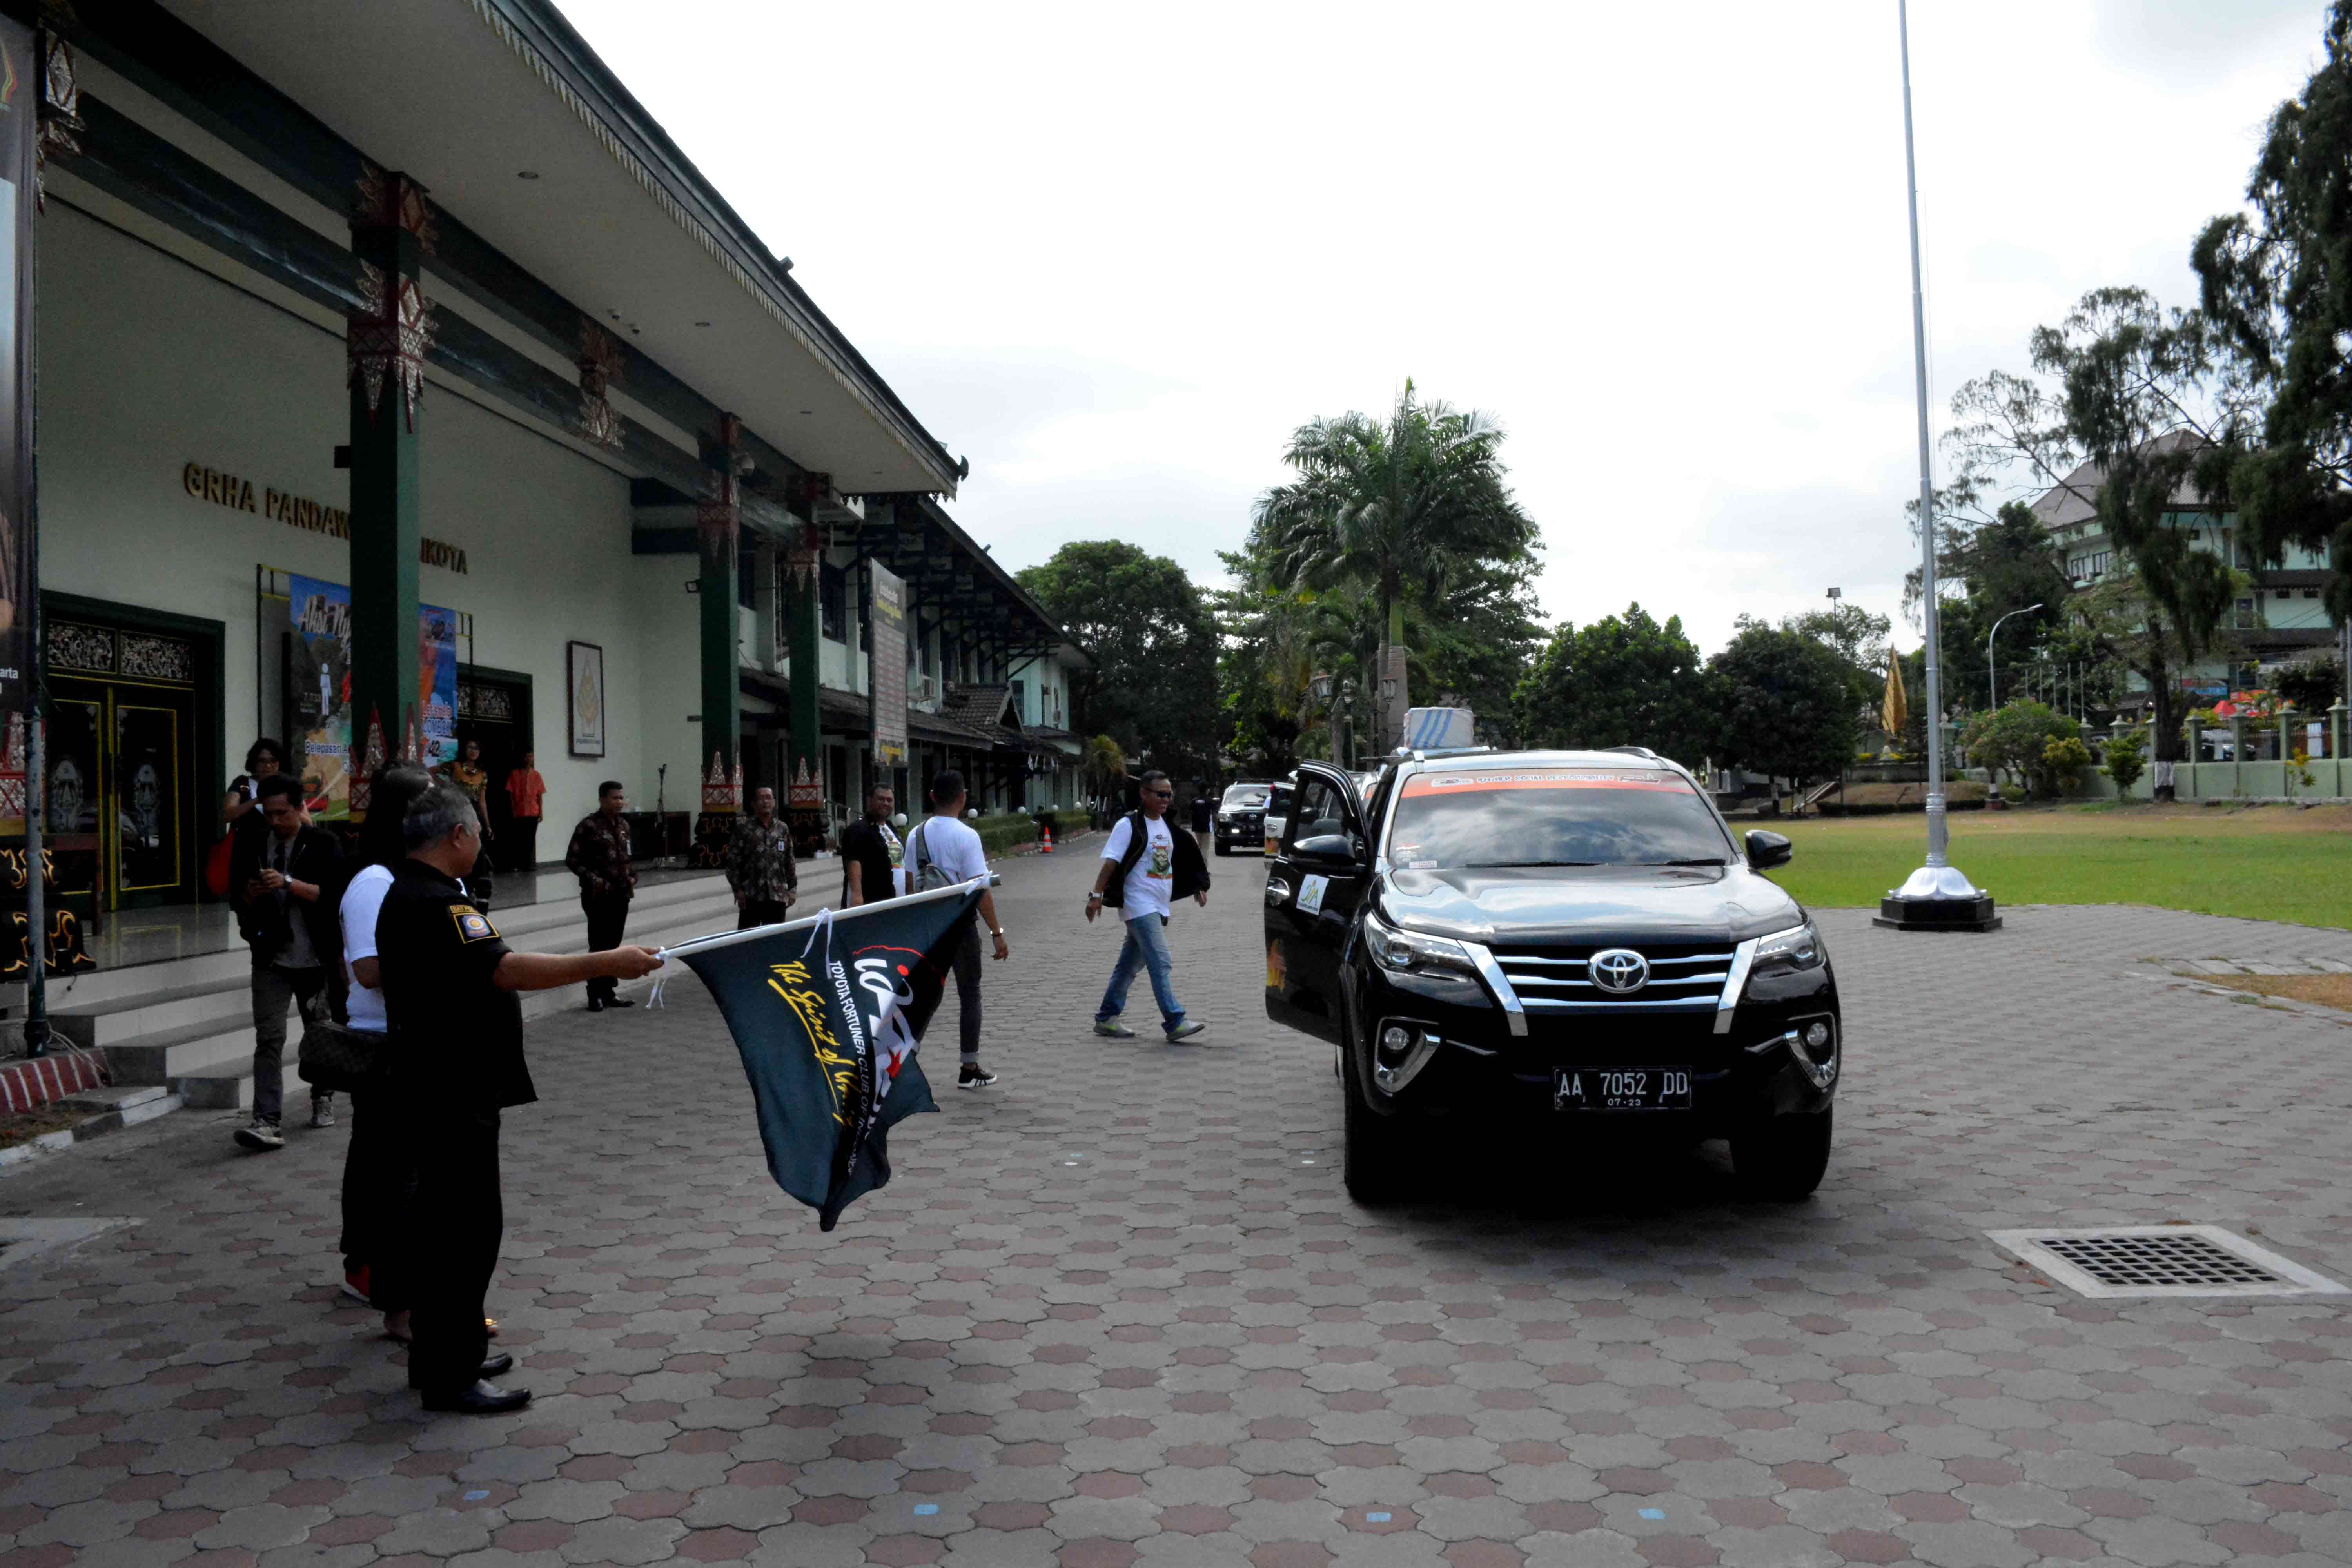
1146	948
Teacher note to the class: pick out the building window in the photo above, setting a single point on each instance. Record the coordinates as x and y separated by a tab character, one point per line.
832	585
1021	701
747	577
2311	593
836	767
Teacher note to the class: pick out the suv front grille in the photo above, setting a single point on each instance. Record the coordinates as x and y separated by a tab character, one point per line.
1685	977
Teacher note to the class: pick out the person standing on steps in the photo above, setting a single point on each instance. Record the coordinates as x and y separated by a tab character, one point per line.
457	1062
871	852
525	793
599	857
760	866
283	885
940	853
466	770
1146	867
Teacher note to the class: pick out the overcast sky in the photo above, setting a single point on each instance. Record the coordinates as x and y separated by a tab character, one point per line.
1115	254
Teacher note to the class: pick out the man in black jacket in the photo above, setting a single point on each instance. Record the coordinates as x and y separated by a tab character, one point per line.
283	884
1146	865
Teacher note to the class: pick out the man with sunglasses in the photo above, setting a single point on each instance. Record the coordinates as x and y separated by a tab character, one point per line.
1146	867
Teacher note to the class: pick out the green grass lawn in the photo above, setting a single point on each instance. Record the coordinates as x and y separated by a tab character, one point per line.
2272	863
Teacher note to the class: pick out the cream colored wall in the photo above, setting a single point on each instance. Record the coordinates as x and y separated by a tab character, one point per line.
147	365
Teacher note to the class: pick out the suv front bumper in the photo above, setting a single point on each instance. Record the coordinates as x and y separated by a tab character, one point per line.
1748	1073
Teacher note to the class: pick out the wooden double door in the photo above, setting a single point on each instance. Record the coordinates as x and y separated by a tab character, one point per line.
124	809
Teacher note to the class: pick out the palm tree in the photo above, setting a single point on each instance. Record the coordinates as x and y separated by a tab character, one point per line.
1402	507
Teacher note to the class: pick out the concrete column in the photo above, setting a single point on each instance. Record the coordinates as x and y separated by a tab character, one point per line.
718	529
384	346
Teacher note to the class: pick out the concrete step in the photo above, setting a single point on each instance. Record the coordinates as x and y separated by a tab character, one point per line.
125	1019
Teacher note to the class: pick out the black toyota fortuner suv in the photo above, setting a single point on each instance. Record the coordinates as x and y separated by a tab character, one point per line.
1573	935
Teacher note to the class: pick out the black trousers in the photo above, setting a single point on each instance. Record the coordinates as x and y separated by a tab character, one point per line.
967	979
455	1228
379	1185
521	841
762	912
608	915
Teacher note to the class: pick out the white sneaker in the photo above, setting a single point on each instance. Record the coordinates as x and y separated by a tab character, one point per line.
261	1135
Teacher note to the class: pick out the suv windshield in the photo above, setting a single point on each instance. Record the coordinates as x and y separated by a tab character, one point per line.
1553	817
1244	797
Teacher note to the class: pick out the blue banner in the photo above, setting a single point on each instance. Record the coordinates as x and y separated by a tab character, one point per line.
827	1012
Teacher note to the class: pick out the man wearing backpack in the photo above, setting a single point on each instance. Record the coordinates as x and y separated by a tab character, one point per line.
1146	867
942	853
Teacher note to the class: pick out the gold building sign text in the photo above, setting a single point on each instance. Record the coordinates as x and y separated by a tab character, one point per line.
297	511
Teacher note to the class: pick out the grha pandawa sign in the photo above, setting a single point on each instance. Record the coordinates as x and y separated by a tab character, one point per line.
298	511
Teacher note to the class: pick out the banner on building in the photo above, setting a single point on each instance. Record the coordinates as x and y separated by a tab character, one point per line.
826	1013
19	133
319	670
885	679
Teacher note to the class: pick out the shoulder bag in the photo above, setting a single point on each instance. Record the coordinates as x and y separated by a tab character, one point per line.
337	1056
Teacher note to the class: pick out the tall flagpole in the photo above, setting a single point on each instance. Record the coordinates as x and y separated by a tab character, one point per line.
1936	897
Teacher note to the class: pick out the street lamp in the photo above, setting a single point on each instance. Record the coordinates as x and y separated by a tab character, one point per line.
1936	897
1992	671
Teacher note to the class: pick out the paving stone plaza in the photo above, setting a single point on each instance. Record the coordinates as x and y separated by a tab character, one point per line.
1119	1310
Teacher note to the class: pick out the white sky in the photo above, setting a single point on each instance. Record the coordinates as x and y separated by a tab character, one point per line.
1116	254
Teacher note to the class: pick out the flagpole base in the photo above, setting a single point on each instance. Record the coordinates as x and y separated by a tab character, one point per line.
1937	897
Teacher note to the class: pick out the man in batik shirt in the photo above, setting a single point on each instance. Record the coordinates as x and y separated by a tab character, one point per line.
599	857
759	864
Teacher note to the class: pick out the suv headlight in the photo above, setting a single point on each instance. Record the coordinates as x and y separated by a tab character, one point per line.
1412	952
1798	947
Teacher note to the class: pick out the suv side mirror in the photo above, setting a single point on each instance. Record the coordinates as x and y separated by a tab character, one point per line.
1766	850
1325	849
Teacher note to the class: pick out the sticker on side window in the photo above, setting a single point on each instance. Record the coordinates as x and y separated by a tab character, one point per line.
1311	895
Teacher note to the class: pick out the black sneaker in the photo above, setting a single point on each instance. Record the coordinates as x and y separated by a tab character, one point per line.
974	1076
322	1111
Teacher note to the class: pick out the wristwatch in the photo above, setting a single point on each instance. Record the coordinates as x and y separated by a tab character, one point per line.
1094	898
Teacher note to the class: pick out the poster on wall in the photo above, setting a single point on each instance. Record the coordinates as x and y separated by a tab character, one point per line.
886	678
319	670
436	682
18	133
584	682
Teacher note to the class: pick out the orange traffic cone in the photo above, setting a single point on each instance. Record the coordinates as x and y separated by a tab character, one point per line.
1044	839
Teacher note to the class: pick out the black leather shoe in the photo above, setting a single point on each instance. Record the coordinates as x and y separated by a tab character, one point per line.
621	1002
596	1004
499	1365
481	1399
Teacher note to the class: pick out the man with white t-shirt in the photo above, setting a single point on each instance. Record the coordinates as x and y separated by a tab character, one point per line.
1146	867
940	853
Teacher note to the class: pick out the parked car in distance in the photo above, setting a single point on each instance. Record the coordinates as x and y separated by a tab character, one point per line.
1277	813
1240	816
1538	935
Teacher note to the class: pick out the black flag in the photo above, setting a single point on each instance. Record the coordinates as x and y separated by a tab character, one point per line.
827	1012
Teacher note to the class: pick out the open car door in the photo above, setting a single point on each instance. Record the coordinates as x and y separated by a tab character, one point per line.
1313	883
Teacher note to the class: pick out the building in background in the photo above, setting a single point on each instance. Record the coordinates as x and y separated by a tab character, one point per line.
394	362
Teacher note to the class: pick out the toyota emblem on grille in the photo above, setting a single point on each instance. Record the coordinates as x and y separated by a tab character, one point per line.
1620	970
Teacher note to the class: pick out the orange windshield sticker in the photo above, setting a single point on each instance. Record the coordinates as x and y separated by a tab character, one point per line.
1479	784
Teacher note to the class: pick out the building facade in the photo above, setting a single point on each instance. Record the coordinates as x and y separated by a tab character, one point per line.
398	373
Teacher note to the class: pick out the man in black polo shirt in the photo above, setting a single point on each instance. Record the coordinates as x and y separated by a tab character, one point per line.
870	853
456	1061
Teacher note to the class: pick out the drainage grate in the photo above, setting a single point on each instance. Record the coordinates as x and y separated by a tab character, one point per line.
2163	1260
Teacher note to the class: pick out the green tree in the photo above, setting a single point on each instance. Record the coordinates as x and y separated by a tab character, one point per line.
1624	681
1150	680
1788	708
1858	637
2127	758
2277	283
1408	506
2016	739
2312	684
2129	407
1106	771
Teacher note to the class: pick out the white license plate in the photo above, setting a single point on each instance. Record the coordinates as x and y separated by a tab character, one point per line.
1620	1088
